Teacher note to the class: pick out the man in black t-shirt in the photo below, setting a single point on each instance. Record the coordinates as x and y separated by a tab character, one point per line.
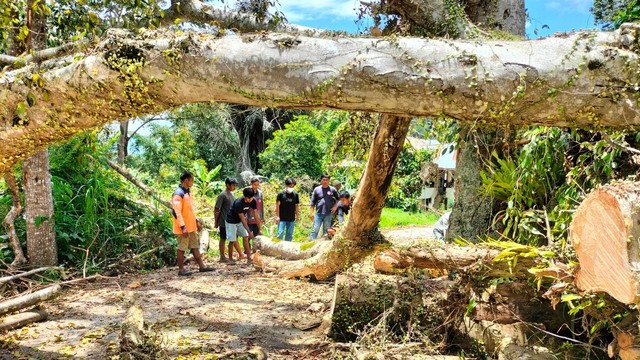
236	221
287	210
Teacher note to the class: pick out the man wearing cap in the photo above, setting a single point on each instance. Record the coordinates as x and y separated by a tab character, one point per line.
324	203
223	204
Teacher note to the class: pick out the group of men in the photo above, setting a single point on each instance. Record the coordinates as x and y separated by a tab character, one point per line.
244	217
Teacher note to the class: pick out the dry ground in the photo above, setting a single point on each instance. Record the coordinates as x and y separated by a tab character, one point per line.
227	311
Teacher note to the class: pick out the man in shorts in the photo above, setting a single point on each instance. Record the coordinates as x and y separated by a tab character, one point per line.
236	221
222	207
185	225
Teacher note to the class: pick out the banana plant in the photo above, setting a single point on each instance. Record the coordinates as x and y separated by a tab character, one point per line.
204	177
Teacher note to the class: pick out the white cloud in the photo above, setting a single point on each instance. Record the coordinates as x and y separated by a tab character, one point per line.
307	10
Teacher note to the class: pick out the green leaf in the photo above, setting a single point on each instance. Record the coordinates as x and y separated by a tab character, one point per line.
570	297
21	109
45	95
31	99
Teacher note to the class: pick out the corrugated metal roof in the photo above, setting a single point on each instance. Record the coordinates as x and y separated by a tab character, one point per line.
420	144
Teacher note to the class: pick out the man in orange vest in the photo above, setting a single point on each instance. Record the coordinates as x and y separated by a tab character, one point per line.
185	225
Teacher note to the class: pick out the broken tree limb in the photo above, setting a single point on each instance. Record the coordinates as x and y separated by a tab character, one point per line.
132	330
604	234
576	80
28	273
8	222
132	179
475	259
24	301
289	250
22	319
41	55
360	234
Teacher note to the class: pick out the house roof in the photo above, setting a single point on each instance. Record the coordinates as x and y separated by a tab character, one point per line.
421	144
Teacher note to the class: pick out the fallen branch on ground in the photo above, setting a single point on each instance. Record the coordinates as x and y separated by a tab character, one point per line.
22	319
24	301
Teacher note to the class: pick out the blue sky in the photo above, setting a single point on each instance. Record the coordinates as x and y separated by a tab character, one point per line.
558	15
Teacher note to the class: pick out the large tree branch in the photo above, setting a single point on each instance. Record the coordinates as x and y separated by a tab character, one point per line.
38	56
582	80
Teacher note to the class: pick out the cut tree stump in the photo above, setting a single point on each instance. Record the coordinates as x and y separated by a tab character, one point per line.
23	319
605	232
24	301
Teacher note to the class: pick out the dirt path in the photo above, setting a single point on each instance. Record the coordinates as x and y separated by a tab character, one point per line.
232	309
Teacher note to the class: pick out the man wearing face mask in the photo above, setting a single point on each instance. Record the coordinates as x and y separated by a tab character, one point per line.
287	210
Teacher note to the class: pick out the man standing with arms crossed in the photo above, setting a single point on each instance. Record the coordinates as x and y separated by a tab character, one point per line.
324	203
255	218
185	225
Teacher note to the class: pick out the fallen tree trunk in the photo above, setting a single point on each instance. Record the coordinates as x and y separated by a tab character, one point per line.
24	301
575	80
22	319
604	233
460	258
289	250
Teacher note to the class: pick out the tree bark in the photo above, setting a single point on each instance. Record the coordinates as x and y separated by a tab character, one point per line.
360	232
546	82
8	222
450	257
22	319
41	237
288	250
123	142
603	232
472	211
504	15
24	301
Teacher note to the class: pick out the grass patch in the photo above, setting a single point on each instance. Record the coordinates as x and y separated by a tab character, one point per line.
392	218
